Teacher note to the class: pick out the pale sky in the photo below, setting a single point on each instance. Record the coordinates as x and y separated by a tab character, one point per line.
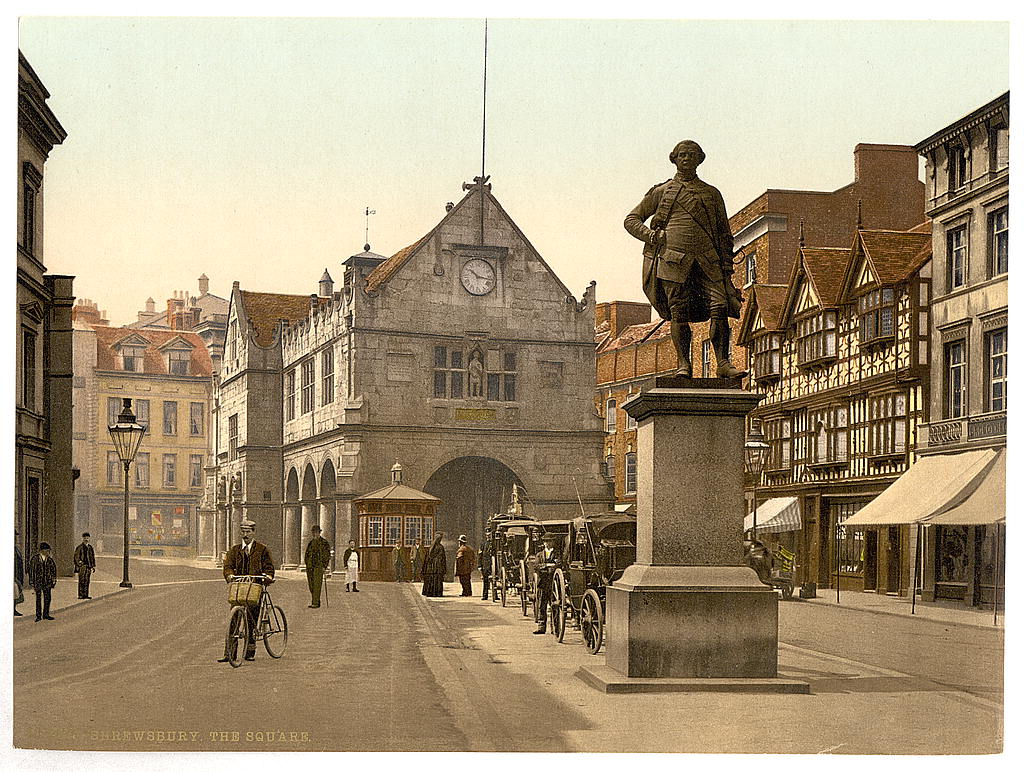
248	148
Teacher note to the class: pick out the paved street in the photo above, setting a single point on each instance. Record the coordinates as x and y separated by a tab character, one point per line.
387	669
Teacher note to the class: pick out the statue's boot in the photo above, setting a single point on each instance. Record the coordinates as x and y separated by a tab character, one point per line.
720	343
681	337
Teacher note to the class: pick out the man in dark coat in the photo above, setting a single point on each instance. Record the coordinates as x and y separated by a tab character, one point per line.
464	559
688	257
434	567
42	575
250	558
318	558
19	575
547	560
85	564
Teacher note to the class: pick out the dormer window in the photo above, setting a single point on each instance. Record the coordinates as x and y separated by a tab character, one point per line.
876	311
132	359
767	356
816	338
178	362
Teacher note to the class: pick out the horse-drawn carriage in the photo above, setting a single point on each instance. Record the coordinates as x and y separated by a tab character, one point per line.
597	549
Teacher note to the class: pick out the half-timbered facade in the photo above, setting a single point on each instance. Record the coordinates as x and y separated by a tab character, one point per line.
841	356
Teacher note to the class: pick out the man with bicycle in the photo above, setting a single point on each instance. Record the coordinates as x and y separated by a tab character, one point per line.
250	558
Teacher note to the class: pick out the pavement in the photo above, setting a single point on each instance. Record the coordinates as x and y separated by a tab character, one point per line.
389	670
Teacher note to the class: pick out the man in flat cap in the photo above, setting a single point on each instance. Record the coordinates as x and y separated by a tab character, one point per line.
85	564
688	258
250	558
318	560
464	559
42	575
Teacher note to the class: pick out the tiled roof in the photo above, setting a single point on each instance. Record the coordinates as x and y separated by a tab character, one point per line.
265	309
397	492
634	334
894	255
771	302
107	339
826	266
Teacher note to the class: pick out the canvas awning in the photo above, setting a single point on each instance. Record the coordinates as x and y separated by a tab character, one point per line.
775	516
985	505
932	484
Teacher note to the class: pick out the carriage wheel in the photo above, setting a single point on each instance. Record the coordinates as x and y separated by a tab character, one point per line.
559	605
504	585
523	600
592	621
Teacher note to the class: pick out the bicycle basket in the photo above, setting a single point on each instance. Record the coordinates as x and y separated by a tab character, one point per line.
244	593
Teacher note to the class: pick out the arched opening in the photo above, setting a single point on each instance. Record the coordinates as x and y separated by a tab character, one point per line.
471	489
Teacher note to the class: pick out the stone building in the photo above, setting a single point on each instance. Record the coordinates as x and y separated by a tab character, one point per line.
840	353
204	314
885	194
463	355
168	376
955	494
43	475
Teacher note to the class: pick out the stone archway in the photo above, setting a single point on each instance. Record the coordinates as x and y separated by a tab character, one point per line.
471	489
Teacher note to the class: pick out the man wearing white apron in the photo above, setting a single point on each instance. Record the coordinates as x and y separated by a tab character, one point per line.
351	561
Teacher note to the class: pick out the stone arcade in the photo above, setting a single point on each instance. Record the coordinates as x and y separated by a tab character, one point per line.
463	355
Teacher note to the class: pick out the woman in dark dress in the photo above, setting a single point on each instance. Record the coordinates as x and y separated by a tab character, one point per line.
434	568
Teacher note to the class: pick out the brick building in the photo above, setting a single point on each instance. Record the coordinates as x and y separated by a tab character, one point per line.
168	376
462	356
885	193
43	475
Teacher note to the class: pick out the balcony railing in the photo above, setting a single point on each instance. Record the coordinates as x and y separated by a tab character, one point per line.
981	427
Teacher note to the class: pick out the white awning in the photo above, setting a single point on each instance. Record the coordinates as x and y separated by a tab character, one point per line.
933	484
775	516
985	505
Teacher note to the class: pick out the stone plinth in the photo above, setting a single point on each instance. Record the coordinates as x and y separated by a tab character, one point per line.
688	611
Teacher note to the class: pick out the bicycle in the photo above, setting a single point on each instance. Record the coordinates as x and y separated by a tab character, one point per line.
271	622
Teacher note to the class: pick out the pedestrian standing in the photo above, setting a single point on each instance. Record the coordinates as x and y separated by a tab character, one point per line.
435	564
85	564
19	576
318	561
42	575
399	564
417	554
464	559
351	561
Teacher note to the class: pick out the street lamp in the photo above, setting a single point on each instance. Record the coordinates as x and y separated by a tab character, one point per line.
127	436
755	451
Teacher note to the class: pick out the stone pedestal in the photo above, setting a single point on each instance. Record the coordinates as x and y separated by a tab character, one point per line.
688	614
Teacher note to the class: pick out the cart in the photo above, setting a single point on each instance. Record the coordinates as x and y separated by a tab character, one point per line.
599	549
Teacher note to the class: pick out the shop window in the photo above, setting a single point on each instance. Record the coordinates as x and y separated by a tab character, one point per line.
997	360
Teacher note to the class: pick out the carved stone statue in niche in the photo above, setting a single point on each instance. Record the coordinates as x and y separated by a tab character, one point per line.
476	374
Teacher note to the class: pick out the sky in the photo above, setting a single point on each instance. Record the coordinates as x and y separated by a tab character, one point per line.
249	148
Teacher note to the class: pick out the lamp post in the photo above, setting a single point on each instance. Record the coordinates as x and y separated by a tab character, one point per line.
755	450
127	435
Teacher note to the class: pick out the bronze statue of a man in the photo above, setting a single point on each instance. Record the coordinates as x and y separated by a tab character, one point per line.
688	257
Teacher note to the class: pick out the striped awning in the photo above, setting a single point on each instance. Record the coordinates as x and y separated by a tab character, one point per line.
776	516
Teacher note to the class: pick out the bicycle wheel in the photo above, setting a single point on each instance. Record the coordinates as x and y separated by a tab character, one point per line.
238	632
275	631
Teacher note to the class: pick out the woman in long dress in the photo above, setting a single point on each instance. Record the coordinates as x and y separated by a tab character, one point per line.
434	568
351	561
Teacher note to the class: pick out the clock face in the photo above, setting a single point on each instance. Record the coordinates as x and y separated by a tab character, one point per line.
477	276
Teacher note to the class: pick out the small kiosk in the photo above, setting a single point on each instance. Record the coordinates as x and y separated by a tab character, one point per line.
394	514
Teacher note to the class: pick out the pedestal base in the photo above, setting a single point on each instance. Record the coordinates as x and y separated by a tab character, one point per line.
606	680
692	622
